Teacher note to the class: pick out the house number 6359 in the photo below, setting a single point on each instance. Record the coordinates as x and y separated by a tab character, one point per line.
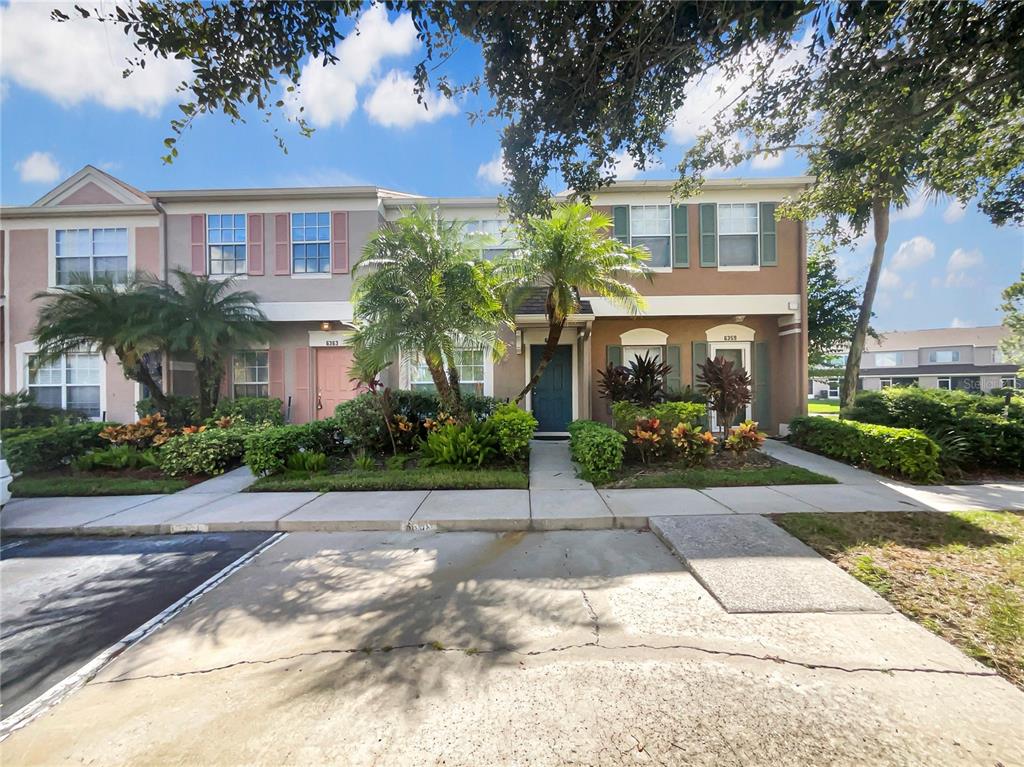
730	338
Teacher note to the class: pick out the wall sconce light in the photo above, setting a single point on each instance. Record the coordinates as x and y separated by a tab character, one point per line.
325	325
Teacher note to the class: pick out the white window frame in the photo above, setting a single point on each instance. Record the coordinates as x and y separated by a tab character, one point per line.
303	241
949	383
28	350
885	383
416	375
235	383
756	266
244	244
1011	385
880	356
954	356
667	235
833	386
629	352
476	229
92	255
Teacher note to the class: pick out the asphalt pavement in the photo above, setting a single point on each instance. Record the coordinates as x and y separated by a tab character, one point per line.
65	599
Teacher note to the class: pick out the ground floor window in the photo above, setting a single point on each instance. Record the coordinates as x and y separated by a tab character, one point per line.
469	362
833	388
629	353
886	383
945	383
1009	383
70	382
252	374
966	383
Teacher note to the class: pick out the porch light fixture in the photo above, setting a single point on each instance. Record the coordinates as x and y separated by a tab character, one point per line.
326	325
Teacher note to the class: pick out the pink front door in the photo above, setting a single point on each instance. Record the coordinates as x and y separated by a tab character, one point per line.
332	379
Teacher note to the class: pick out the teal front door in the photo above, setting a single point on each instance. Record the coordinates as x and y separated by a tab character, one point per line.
552	397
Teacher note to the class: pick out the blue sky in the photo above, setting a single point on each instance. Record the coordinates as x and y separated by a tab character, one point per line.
65	105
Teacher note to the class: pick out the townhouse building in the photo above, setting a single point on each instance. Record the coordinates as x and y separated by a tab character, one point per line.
965	359
727	280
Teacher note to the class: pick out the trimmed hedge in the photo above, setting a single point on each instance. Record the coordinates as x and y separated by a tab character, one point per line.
254	410
208	452
50	447
625	414
597	448
267	450
908	452
515	428
971	424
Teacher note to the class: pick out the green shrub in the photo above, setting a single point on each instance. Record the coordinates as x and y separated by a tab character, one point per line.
267	450
309	462
626	414
50	447
19	411
252	410
180	411
117	457
597	448
973	424
515	428
908	452
465	444
208	452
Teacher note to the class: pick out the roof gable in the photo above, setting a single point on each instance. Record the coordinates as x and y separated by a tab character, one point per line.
91	186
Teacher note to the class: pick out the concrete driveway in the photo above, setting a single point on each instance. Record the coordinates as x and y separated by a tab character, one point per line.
553	648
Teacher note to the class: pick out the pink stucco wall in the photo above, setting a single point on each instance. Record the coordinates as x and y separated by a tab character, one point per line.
147	250
120	393
90	194
27	256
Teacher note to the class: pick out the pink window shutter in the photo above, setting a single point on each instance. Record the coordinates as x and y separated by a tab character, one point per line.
339	242
301	403
199	244
275	360
255	243
282	244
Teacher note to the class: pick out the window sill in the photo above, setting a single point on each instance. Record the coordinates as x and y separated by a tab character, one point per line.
739	268
223	277
312	276
661	269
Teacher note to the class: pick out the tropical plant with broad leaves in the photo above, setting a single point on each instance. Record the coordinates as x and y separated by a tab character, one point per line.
613	383
422	293
567	255
727	388
106	317
207	320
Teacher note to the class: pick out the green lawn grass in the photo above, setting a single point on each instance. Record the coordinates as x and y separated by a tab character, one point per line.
823	407
42	485
959	575
432	478
698	478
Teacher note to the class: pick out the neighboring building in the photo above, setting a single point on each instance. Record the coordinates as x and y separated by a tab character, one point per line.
728	280
967	359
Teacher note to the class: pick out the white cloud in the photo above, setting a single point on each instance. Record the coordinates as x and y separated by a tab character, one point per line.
493	171
889	280
959	267
329	93
38	168
767	161
953	212
913	253
625	167
393	103
81	60
958	323
910	292
915	207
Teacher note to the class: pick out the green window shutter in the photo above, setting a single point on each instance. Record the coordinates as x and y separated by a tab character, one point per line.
620	223
768	255
700	356
708	234
680	236
674	379
613	354
762	405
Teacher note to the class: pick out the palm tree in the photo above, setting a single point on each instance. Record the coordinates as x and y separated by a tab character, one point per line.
208	320
568	254
107	317
421	290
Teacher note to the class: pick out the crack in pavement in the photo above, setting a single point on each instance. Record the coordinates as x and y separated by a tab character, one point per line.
434	647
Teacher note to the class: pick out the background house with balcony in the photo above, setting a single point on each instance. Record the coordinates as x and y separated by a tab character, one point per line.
727	280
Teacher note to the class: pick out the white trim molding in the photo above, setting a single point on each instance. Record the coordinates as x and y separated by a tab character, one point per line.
538	337
706	306
643	337
730	333
308	311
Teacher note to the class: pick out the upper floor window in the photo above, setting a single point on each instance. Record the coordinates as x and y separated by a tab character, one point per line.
944	355
225	237
888	359
84	255
311	243
493	234
251	374
650	226
737	234
70	382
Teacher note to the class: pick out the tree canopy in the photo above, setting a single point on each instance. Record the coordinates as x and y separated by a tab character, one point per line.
832	307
